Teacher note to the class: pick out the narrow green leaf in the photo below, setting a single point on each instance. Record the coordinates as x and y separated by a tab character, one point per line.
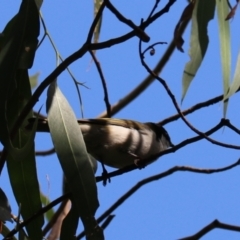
71	150
14	93
45	201
203	12
236	80
225	47
97	5
22	170
70	223
34	80
39	3
14	41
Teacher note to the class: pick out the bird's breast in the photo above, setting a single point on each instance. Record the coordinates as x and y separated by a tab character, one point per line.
118	146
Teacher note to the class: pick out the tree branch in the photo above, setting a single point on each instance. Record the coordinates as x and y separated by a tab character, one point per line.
210	227
157	177
104	84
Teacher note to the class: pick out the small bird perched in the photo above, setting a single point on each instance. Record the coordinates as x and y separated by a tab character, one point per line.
118	142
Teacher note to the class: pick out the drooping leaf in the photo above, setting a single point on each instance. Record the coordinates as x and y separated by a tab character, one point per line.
45	201
203	12
71	151
225	48
5	209
14	93
39	3
18	37
22	168
97	4
34	80
69	225
186	15
236	80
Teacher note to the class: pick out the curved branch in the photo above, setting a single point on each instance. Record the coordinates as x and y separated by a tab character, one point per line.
37	214
115	108
104	84
140	33
171	95
45	152
131	191
210	227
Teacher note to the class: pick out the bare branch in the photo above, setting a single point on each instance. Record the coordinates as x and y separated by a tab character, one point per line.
37	214
139	32
45	153
157	177
104	84
171	95
210	227
115	108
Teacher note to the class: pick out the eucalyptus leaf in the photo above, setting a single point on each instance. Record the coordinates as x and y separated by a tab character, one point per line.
225	47
71	151
97	5
236	80
21	163
70	223
34	80
203	12
21	32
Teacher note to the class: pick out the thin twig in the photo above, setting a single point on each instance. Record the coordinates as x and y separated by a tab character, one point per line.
210	227
193	109
104	84
143	25
115	108
171	95
95	22
37	214
45	153
158	177
103	226
139	32
154	8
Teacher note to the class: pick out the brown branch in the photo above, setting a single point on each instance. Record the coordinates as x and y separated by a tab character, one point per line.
95	22
171	95
139	32
193	109
210	227
37	214
115	108
103	226
154	8
130	192
45	153
143	25
104	84
228	124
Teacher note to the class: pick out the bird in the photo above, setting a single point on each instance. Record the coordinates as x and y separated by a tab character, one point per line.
120	142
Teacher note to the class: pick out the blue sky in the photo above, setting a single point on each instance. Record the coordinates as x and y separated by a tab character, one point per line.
182	203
